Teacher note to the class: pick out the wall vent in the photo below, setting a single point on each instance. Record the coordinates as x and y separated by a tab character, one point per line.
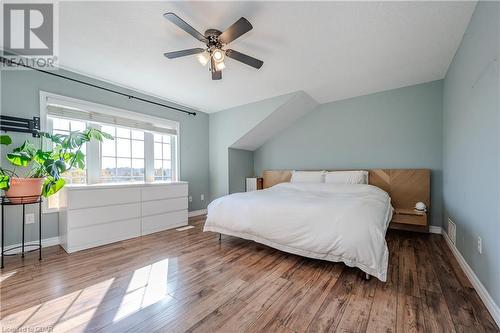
452	231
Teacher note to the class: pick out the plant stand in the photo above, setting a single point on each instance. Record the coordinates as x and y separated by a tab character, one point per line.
35	247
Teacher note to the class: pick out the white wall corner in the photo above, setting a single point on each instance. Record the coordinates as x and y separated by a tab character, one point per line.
297	106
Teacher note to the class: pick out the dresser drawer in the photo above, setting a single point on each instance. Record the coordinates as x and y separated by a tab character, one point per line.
100	215
102	197
164	192
166	221
96	235
410	219
163	206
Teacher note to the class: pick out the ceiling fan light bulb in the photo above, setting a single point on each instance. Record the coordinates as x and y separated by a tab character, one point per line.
220	66
218	55
203	58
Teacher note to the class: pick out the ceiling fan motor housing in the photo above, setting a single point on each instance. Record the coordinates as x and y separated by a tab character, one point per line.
213	38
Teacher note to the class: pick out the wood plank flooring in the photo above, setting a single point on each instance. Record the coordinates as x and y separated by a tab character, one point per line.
186	281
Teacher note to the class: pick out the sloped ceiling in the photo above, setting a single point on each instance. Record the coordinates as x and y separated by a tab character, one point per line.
330	50
294	108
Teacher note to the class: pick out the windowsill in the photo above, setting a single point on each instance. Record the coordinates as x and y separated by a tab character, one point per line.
122	185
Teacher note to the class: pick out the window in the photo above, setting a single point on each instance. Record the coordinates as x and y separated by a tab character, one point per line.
144	148
163	157
123	158
65	126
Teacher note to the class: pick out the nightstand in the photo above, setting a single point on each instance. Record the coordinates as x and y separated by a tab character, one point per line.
409	216
254	184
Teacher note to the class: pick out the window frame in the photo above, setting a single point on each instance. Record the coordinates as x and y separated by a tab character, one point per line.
172	144
94	147
131	158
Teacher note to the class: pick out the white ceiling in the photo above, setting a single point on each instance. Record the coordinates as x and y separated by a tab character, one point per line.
330	50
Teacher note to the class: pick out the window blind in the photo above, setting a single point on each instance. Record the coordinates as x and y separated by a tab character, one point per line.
102	118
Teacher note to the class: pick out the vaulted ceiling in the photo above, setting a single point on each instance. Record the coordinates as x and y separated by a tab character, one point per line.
330	50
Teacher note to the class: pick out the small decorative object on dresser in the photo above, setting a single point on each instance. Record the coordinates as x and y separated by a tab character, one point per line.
254	184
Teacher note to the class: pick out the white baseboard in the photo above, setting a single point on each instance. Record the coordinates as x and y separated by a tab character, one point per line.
45	243
194	213
480	289
435	230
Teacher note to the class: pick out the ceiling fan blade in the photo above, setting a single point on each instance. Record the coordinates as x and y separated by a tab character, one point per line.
246	59
185	26
216	75
183	53
240	27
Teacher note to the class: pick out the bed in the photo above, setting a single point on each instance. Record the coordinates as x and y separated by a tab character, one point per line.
335	222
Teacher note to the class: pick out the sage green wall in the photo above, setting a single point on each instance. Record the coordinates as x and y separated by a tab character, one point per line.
471	163
240	167
400	128
20	97
226	127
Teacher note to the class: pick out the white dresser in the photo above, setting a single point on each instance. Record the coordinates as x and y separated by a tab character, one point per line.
94	215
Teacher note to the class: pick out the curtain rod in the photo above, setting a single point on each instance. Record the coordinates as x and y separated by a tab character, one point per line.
96	86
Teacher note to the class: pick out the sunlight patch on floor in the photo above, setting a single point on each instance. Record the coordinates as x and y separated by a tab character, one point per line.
5	276
59	309
147	286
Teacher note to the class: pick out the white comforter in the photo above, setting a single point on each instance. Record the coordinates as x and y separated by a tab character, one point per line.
333	222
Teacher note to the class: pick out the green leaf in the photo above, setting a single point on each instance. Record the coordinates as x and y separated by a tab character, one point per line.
52	186
4	182
107	136
96	134
75	140
41	156
78	160
66	156
54	168
5	140
55	138
19	158
27	148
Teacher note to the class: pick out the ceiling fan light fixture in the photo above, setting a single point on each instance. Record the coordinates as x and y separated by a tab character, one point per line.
218	55
203	58
220	66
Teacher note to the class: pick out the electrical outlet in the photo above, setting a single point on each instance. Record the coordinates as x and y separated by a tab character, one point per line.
30	218
190	199
202	197
479	245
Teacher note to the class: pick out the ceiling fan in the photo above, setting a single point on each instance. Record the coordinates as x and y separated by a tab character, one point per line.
215	42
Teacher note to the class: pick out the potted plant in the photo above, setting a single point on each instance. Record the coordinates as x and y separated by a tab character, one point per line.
44	168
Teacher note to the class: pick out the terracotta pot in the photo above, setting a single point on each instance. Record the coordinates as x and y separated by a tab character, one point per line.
24	190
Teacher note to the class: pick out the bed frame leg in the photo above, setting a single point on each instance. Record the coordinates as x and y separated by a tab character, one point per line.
367	276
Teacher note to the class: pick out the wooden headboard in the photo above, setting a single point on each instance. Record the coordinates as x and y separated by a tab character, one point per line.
405	186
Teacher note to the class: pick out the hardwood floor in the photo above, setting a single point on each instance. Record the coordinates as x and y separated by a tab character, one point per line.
178	281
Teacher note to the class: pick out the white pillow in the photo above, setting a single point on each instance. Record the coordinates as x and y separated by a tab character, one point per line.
308	177
346	177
